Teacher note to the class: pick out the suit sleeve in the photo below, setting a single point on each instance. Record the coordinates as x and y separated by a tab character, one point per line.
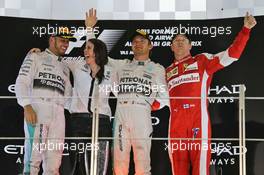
114	82
90	35
68	92
73	64
227	57
163	94
117	63
24	80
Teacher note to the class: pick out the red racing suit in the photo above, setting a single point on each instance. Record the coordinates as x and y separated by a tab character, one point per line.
191	77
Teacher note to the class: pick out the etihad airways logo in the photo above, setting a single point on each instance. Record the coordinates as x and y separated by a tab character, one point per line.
187	78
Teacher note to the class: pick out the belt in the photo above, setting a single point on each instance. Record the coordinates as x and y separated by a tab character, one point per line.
47	100
133	102
88	115
81	115
185	106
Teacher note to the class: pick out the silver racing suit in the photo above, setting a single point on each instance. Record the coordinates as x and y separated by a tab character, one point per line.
43	82
140	83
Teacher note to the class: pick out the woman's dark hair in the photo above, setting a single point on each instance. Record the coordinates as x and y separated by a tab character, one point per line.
101	59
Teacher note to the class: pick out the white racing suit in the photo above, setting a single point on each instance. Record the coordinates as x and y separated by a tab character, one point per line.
140	83
43	82
82	107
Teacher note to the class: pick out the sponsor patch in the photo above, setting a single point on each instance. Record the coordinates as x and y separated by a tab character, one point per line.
195	132
107	76
172	73
48	60
141	63
49	84
188	78
149	67
48	65
120	137
190	67
147	76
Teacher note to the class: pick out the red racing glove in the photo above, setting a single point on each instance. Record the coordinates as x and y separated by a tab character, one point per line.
155	106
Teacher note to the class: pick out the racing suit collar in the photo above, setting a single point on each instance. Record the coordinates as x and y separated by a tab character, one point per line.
183	59
140	62
53	55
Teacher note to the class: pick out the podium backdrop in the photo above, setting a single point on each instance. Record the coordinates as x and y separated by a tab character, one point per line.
18	35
